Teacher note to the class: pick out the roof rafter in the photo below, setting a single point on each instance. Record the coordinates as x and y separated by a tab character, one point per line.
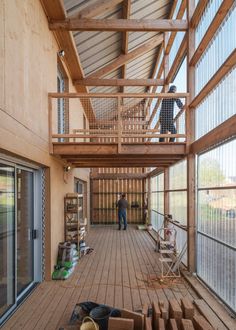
125	38
217	20
55	10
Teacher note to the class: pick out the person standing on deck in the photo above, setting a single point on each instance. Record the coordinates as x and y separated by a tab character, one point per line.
122	205
167	114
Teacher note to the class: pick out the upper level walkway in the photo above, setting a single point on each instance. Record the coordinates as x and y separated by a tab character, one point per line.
122	271
119	129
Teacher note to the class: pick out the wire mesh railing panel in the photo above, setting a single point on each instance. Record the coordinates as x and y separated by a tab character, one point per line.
133	119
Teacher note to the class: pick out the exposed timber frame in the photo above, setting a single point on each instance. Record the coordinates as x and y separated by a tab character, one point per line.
55	10
190	131
173	69
119	82
118	25
125	58
125	38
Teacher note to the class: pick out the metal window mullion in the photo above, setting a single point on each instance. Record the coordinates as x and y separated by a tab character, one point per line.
216	240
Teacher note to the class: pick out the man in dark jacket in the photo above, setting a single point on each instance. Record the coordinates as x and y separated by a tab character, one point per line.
122	206
167	114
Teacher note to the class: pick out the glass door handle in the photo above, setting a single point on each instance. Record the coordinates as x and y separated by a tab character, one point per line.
34	233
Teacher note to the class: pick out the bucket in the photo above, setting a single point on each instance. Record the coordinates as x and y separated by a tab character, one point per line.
90	325
101	315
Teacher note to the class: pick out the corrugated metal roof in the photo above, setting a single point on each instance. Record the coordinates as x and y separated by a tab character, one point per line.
98	49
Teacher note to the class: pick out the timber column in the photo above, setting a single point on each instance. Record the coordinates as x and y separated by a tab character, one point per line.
190	133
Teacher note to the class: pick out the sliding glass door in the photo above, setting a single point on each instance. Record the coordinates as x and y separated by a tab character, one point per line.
25	227
20	234
7	237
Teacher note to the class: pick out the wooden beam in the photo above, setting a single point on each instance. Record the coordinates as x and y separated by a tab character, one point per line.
123	59
119	82
224	131
197	15
178	60
229	63
118	25
125	38
165	61
190	131
115	95
144	149
166	196
168	49
170	41
55	10
218	19
96	7
155	172
117	176
89	165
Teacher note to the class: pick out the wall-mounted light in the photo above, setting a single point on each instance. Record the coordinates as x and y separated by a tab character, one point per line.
67	168
61	53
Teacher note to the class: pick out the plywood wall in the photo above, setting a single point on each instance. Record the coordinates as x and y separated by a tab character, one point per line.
28	62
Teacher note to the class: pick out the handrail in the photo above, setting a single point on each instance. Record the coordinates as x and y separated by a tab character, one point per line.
115	95
174	222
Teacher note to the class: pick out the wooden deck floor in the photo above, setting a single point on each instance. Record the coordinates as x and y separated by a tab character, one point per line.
117	273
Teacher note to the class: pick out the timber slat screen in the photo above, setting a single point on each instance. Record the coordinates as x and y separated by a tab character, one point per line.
115	118
106	192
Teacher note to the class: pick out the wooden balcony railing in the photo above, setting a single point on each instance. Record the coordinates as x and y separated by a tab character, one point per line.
110	118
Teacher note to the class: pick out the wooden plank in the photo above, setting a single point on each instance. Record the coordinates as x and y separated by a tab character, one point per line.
187	307
175	310
214	81
115	95
118	323
173	324
196	17
134	149
186	324
200	323
138	318
224	131
209	315
161	324
178	60
125	58
118	25
214	303
168	47
92	278
119	82
190	131
96	7
148	323
215	23
156	313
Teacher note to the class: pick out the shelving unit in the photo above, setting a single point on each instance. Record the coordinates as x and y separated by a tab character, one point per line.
75	224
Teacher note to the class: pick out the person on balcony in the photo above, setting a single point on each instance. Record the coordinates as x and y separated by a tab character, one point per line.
167	114
122	205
